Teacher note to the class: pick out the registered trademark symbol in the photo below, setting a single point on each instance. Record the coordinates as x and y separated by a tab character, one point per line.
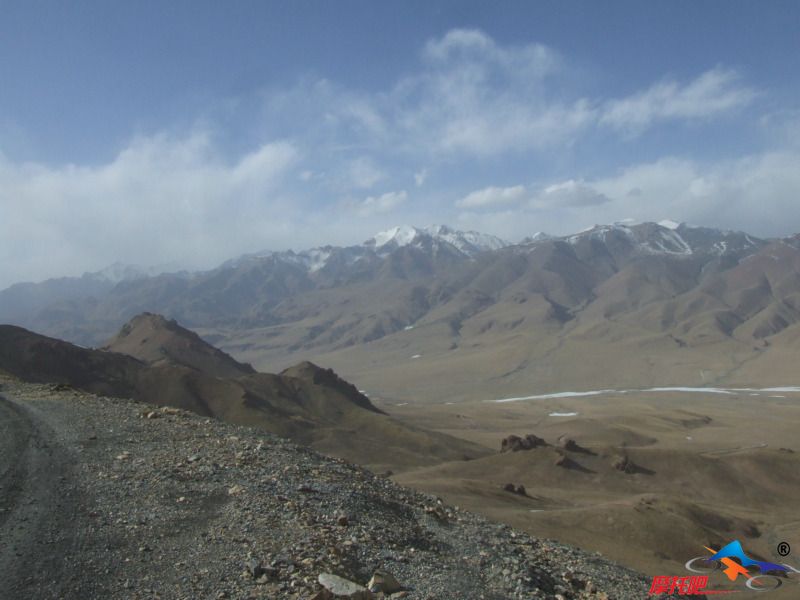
784	549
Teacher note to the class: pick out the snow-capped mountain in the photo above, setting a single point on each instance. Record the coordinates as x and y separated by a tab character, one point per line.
433	238
539	236
311	260
427	266
469	243
667	237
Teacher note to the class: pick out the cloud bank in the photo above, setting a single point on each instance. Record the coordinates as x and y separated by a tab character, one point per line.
332	164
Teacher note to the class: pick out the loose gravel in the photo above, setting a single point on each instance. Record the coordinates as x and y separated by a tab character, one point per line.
171	505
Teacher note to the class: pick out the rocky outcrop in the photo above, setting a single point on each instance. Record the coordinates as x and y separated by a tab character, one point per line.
570	445
514	443
624	463
518	489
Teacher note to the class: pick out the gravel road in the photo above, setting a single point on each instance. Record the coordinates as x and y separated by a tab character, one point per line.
40	496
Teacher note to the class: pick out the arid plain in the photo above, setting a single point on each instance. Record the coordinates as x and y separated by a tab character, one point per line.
655	476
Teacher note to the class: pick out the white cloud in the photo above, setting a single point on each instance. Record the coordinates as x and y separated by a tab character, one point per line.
714	92
470	96
782	126
569	193
472	48
458	40
364	173
492	196
160	200
758	194
385	203
470	102
479	98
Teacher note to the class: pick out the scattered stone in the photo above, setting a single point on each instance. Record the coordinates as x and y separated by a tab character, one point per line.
383	581
254	568
437	512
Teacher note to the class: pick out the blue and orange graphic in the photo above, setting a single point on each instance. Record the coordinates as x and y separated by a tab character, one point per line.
733	570
734	563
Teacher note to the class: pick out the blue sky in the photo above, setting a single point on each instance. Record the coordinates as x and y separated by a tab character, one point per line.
188	132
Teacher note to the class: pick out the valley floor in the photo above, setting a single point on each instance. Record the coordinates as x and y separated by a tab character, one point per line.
654	475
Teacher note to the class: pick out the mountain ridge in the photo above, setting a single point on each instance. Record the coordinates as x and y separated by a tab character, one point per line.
536	313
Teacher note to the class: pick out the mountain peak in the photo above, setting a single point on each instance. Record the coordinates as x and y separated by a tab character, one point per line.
316	375
155	339
670	224
467	242
401	235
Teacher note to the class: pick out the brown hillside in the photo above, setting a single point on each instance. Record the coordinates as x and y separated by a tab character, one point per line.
308	404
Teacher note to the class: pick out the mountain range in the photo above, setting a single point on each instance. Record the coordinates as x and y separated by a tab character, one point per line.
654	298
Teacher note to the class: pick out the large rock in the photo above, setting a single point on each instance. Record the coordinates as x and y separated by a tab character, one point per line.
344	588
568	444
514	443
624	464
571	445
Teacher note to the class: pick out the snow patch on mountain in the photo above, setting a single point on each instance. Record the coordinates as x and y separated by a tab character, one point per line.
316	259
468	242
647	238
669	224
400	236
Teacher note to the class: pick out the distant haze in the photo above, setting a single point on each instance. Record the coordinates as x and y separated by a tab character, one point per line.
190	135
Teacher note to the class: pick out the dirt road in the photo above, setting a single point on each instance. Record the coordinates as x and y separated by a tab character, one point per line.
39	508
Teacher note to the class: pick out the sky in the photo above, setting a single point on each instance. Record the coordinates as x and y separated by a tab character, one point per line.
185	133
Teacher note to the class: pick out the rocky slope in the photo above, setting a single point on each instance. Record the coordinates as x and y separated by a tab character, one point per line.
153	359
165	504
